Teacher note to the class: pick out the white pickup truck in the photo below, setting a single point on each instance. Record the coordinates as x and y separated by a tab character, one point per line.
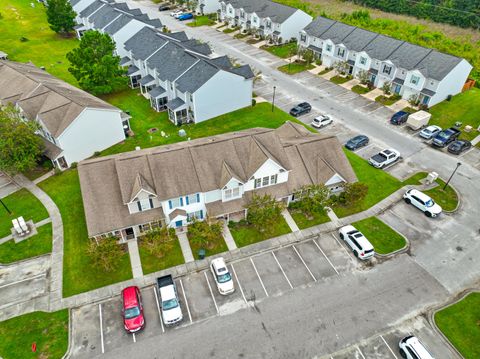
384	158
170	304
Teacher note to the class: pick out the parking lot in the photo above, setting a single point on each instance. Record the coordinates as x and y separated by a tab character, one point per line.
385	346
98	328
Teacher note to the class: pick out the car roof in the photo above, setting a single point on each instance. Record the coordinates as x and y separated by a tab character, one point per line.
358	137
433	127
400	113
419	348
363	241
129	297
420	195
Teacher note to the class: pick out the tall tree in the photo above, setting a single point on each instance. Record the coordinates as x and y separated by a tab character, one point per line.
263	212
106	253
94	65
20	147
60	16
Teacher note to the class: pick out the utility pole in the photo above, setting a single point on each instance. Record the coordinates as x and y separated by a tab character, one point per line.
5	206
455	170
273	100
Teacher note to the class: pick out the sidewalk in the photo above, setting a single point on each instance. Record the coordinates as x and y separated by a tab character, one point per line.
290	221
135	259
227	235
185	245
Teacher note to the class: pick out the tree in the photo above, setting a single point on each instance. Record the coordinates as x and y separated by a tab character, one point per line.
414	100
94	65
363	76
60	16
387	88
308	56
263	212
105	253
205	233
314	198
341	67
158	242
354	192
20	146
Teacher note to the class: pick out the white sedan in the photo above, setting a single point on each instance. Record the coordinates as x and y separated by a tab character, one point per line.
423	202
321	121
222	276
176	13
430	132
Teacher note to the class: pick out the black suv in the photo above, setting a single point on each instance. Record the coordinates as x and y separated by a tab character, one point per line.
301	109
399	118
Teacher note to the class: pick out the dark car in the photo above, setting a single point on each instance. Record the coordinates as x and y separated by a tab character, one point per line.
301	109
165	7
357	142
459	146
399	118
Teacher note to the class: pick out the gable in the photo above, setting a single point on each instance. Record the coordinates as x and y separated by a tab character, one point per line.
336	178
267	168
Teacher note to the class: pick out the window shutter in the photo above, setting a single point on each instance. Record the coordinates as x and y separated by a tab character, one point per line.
186	199
139	206
198	197
181	201
201	214
151	202
170	204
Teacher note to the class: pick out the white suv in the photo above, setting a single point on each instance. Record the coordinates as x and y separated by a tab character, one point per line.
411	348
321	121
360	245
222	276
422	202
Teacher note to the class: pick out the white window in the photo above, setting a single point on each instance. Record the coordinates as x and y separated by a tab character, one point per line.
341	52
242	14
231	193
387	69
258	182
145	204
193	198
224	7
176	202
254	19
414	80
265	181
195	215
273	179
363	60
329	47
303	37
269	24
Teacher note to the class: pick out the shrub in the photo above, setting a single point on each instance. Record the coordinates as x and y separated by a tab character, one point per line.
352	193
205	233
363	76
158	242
313	198
73	165
254	102
105	253
413	100
23	39
263	212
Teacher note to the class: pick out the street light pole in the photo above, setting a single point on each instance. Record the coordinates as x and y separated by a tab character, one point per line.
273	100
455	170
4	206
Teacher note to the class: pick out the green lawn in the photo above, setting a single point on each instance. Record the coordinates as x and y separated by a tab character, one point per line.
360	89
253	41
241	36
79	274
383	238
284	51
20	203
150	263
303	221
295	67
44	47
48	330
245	234
447	198
325	71
462	108
201	21
387	101
218	246
340	79
460	324
144	118
36	245
230	30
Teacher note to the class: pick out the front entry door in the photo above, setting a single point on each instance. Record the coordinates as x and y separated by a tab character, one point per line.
178	223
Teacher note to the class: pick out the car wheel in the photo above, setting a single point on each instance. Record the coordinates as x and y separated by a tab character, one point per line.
407	201
341	236
428	214
355	253
402	353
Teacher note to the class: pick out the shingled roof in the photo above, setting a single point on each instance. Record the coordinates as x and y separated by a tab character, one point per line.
265	8
203	165
41	95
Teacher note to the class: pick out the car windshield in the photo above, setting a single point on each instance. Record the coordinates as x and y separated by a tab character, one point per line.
169	304
443	135
132	312
223	278
427	130
356	139
429	203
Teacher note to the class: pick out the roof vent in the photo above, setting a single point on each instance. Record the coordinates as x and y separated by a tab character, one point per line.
137	148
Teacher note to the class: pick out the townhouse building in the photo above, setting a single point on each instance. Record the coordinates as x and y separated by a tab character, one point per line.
127	194
73	123
412	70
277	22
207	6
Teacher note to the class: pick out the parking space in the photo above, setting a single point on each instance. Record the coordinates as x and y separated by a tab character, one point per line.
293	267
271	274
338	253
114	334
227	303
251	283
314	257
199	296
153	325
86	338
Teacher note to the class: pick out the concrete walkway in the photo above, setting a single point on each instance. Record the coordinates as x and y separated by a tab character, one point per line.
227	235
291	223
185	245
44	177
135	261
38	224
333	217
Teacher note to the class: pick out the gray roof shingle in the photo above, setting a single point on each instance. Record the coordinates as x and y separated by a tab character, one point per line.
265	8
318	26
337	32
171	61
119	23
358	39
196	77
175	103
104	16
382	47
91	8
144	43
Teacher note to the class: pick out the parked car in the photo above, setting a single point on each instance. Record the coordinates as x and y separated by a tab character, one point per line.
132	309
384	158
186	16
164	7
169	302
411	348
459	146
321	121
357	142
444	137
358	243
301	109
430	132
422	202
222	276
176	13
399	118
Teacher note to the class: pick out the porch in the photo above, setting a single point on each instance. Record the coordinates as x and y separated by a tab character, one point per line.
146	85
177	111
134	74
158	98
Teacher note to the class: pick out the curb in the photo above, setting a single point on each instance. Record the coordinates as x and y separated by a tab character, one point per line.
459	202
431	316
70	335
6	265
404	249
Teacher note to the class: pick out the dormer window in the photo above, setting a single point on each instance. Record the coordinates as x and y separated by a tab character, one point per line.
231	193
269	24
242	14
363	60
265	181
303	37
329	47
414	80
145	204
340	52
387	69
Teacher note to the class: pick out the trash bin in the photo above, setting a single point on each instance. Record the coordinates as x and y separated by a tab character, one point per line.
432	177
201	253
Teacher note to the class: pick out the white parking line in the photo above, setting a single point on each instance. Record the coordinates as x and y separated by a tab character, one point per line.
211	292
101	328
364	148
345	249
290	284
328	260
388	346
158	308
134	339
259	278
368	113
363	356
186	302
239	285
23	280
305	264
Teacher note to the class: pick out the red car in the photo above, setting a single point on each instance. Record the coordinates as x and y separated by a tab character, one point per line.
132	310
